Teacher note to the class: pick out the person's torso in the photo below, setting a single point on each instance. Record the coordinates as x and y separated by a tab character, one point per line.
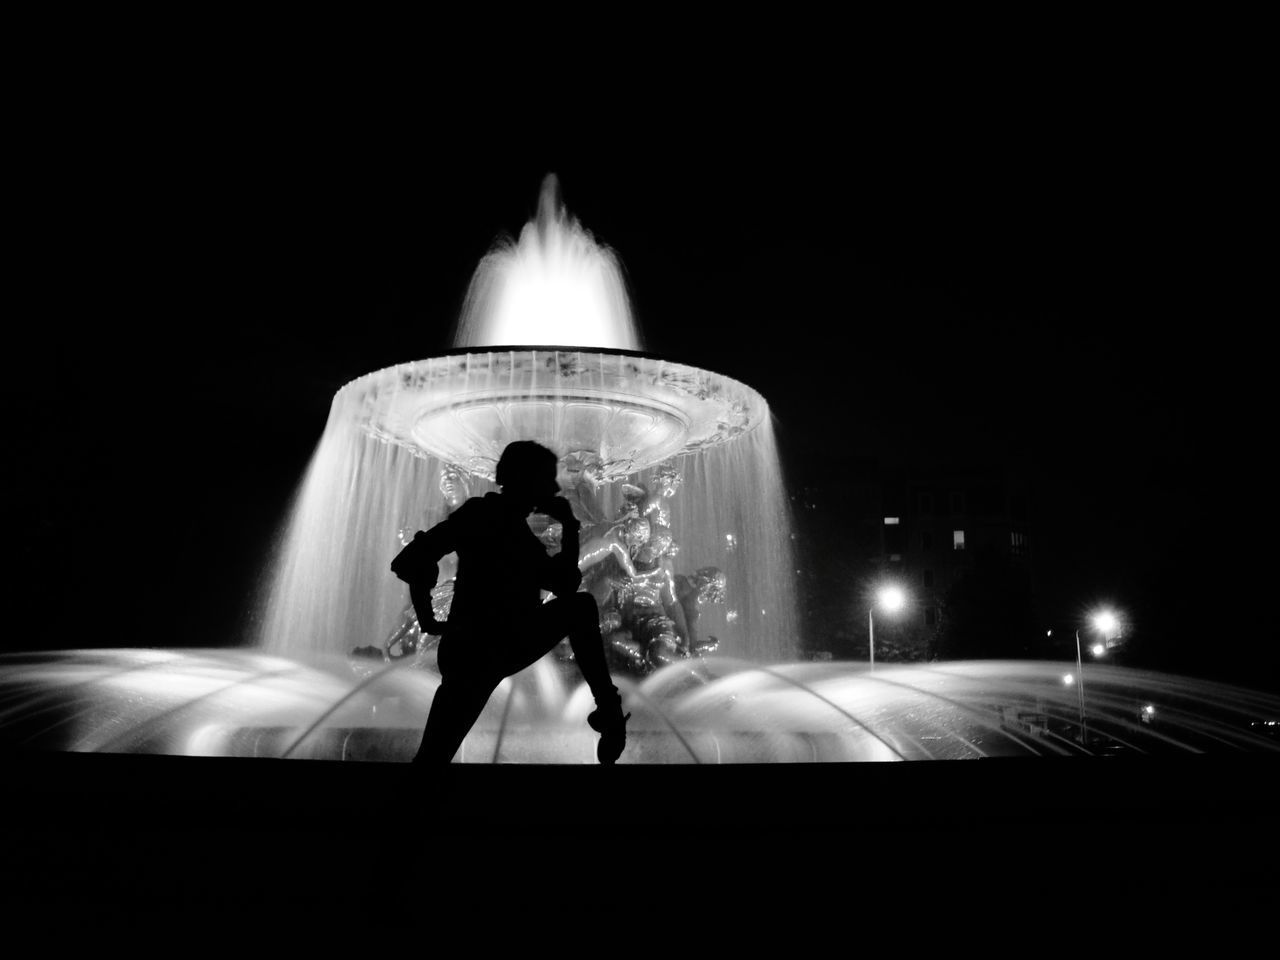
500	563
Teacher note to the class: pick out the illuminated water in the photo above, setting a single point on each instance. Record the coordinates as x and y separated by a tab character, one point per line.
239	703
375	472
554	285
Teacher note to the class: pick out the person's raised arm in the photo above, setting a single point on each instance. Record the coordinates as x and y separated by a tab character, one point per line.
418	565
562	576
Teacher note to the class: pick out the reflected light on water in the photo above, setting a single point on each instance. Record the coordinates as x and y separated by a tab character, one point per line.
716	710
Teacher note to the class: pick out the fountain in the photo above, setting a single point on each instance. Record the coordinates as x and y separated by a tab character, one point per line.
616	417
670	468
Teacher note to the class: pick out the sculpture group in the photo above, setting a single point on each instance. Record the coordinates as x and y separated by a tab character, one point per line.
648	611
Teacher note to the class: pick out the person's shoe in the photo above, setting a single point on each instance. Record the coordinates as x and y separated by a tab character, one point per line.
611	723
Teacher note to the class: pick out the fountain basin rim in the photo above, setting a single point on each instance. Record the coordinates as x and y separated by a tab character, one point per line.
548	348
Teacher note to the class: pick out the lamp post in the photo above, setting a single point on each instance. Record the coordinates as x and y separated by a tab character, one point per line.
1084	724
892	599
1108	624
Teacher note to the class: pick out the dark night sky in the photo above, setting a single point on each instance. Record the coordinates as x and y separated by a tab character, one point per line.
1044	278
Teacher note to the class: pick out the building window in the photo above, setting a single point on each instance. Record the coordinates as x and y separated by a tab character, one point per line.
926	504
926	540
890	521
928	579
957	539
1018	542
957	503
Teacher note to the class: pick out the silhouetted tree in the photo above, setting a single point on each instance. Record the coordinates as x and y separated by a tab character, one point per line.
988	613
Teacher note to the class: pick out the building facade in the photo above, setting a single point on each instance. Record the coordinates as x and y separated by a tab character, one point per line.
936	522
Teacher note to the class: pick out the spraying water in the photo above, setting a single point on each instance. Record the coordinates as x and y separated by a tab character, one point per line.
555	285
331	590
375	475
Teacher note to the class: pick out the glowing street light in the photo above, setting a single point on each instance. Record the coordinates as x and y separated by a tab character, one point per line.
1106	623
891	598
1098	649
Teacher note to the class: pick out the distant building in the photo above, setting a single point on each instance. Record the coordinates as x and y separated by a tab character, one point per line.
935	520
922	525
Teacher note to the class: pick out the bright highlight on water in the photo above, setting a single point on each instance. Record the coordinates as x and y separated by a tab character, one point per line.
245	704
555	285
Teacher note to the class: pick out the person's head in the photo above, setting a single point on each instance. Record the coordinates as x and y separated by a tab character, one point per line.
527	473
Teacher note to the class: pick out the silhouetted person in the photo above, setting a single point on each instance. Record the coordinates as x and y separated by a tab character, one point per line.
498	624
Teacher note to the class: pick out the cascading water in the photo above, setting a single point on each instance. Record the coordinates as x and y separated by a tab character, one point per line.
389	434
732	513
330	590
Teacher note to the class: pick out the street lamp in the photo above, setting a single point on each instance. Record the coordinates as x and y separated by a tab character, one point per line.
1108	624
1084	724
891	598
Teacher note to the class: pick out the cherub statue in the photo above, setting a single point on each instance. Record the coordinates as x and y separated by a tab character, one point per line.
454	485
649	504
705	585
643	621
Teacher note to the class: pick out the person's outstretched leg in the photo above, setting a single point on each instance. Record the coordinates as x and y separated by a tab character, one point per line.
457	705
583	629
577	617
607	719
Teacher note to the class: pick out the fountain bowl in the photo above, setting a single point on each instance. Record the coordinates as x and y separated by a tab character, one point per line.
631	410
